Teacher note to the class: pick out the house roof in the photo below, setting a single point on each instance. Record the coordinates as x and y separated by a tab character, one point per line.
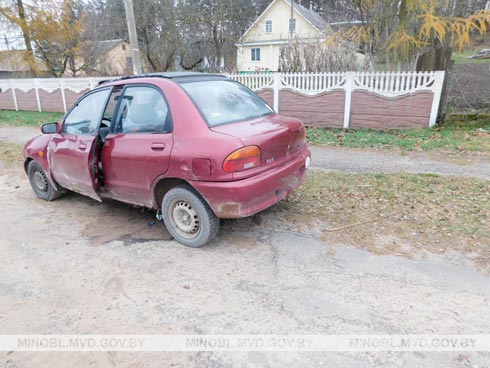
105	46
310	16
345	24
15	61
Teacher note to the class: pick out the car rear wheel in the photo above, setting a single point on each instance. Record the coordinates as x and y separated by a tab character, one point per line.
40	183
188	217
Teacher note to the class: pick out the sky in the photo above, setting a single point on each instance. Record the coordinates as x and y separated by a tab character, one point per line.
10	36
10	40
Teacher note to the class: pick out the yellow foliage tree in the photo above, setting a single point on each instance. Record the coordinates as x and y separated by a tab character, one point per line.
15	13
405	28
55	28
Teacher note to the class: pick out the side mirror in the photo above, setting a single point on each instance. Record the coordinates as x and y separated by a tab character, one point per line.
49	128
103	133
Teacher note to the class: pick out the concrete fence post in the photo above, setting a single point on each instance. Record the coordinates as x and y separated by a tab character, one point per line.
349	86
12	87
38	99
63	97
437	89
276	86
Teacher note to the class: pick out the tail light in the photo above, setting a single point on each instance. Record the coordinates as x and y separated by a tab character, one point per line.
242	159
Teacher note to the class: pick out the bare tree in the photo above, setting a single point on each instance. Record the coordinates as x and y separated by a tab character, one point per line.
311	56
157	33
217	25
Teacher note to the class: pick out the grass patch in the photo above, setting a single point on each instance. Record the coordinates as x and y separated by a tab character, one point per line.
404	212
458	133
10	153
28	118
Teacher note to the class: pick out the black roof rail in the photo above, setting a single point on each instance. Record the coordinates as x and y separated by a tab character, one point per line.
178	76
106	81
112	80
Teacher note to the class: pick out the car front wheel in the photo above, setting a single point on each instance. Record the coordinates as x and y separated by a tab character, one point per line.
188	217
40	183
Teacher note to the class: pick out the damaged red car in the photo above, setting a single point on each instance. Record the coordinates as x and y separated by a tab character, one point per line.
194	147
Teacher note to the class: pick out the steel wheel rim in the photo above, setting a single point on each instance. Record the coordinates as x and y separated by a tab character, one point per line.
185	219
40	181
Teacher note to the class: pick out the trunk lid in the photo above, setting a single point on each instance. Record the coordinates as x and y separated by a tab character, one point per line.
279	138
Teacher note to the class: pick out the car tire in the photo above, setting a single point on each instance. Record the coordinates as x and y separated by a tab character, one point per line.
188	217
40	183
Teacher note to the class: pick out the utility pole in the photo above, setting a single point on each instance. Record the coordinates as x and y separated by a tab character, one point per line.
133	39
290	41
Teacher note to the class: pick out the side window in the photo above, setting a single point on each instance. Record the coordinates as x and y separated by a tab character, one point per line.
143	110
111	106
85	116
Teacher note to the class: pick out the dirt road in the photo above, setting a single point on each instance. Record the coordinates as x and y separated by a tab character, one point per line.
353	160
75	266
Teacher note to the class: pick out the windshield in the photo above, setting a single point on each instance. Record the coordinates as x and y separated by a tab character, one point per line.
225	101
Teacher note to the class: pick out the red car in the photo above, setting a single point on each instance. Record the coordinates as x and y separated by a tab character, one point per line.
195	147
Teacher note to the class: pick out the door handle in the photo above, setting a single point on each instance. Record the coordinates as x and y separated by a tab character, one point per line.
82	146
157	146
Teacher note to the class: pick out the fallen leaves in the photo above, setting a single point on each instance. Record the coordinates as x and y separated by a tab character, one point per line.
443	212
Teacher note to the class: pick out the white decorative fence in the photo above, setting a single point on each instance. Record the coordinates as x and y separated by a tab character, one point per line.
344	100
50	85
389	85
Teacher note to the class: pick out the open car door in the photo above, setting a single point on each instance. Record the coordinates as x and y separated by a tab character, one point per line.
71	152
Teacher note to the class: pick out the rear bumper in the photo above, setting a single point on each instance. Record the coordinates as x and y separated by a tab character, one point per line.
246	197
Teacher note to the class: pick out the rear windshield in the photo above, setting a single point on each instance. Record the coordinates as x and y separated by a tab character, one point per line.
224	101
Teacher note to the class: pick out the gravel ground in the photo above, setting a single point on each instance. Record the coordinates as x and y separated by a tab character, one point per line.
353	160
76	266
18	135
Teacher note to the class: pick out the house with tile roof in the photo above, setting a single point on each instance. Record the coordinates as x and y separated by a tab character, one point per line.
260	46
106	57
13	64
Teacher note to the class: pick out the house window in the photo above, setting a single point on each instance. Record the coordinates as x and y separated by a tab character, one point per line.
255	54
268	26
292	24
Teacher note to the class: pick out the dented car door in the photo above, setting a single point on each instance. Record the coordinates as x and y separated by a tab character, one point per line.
71	152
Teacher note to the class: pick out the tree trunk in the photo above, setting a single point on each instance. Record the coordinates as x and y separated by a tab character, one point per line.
146	46
217	47
73	67
27	37
403	14
47	62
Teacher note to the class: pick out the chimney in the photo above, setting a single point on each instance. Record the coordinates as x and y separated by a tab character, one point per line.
311	5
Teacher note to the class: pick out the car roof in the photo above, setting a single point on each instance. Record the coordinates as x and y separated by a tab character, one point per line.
178	77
